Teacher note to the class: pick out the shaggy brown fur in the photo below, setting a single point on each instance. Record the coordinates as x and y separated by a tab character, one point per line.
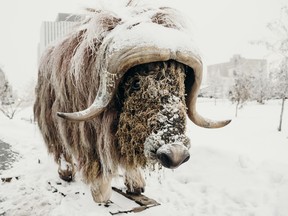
68	81
69	78
59	88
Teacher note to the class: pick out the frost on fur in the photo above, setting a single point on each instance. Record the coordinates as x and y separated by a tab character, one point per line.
168	133
153	114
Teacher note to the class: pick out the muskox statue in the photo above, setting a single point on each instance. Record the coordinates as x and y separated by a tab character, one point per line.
115	93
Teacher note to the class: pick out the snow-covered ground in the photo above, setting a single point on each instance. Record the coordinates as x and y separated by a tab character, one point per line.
239	170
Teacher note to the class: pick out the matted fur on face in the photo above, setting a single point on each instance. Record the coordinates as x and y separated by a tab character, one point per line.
152	98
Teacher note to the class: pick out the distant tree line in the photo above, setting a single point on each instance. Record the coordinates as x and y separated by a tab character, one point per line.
256	87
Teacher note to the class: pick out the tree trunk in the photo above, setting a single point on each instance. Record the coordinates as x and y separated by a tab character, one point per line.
236	111
281	114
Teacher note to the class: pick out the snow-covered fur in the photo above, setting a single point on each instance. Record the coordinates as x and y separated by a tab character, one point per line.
153	114
70	74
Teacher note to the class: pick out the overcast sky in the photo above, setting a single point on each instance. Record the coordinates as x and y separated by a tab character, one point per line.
222	28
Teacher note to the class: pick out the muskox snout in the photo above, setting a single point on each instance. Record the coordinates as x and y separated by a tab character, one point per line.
172	155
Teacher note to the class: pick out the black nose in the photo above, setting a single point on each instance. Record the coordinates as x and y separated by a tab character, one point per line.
172	155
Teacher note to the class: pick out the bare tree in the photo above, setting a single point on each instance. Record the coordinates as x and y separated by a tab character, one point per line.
216	88
9	110
279	46
260	84
9	105
279	75
240	91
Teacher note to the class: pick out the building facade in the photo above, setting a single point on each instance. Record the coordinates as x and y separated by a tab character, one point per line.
220	77
51	31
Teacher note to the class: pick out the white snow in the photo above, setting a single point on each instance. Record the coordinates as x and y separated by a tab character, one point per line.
239	170
137	29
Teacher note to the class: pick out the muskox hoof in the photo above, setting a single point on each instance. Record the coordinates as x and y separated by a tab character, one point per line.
135	191
134	182
66	175
101	190
66	169
101	196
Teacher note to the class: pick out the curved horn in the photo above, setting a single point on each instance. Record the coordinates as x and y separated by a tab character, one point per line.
119	52
196	65
133	56
119	63
101	101
83	115
204	122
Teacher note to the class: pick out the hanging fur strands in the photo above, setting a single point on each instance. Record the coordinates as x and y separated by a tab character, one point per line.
115	92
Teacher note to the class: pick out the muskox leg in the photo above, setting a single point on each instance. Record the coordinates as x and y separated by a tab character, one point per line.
134	181
66	168
101	190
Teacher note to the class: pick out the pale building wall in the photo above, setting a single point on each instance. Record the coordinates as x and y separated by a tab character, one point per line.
51	31
222	74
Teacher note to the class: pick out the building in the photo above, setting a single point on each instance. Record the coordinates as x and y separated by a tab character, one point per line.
51	31
220	76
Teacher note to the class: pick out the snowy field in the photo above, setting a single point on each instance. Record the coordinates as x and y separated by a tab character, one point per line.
240	170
